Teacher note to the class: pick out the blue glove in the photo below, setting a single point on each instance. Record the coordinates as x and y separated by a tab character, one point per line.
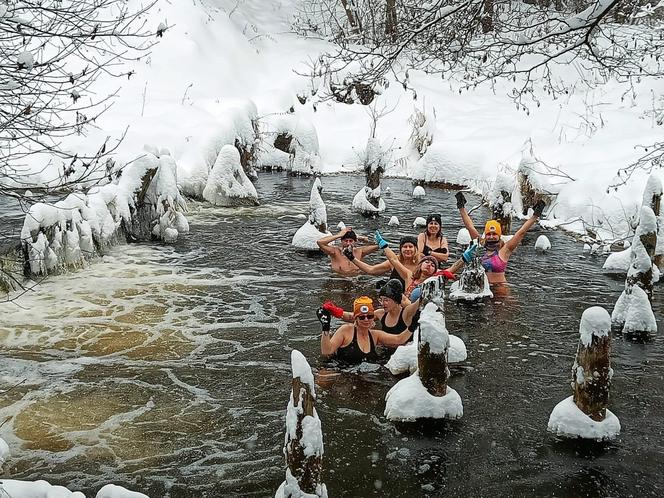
416	293
382	243
468	254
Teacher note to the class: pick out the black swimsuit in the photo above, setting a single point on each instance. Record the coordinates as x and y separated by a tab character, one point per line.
395	274
399	327
353	354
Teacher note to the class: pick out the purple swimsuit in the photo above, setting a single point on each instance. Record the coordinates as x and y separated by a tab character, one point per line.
493	263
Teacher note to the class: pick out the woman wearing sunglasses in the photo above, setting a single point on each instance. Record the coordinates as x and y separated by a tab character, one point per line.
356	342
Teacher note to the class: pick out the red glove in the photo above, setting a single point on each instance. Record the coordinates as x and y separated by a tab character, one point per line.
335	311
447	274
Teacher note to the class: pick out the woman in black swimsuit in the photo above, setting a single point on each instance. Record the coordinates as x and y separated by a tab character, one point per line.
395	318
431	242
356	342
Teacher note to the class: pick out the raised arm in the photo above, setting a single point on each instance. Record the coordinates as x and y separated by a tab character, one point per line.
516	239
324	243
368	249
465	217
393	259
410	310
378	269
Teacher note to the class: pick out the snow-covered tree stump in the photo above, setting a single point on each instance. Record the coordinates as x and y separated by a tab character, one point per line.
425	394
585	413
473	284
500	201
303	446
527	182
652	197
632	313
315	227
228	184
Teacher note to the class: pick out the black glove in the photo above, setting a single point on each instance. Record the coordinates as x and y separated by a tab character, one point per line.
426	251
538	208
348	252
461	200
324	317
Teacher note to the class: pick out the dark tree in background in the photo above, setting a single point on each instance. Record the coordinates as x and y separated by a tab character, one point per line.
51	54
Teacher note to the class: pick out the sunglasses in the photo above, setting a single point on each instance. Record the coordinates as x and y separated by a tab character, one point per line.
365	317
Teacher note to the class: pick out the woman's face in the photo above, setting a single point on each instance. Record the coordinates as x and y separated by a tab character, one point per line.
491	237
428	268
387	303
364	321
433	227
408	250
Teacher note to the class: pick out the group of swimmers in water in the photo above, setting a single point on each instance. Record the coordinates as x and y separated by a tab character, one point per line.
419	258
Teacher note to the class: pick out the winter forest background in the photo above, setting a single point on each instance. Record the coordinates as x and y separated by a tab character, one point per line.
117	116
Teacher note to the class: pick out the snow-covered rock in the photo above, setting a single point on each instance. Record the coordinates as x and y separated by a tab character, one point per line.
419	222
586	248
568	420
633	312
542	243
418	192
361	202
617	262
227	184
306	237
394	221
463	237
408	400
35	489
115	491
341	225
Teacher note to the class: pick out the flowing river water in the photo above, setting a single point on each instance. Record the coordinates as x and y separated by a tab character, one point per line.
166	368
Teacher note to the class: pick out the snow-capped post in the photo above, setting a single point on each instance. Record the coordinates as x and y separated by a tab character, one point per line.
632	313
527	179
592	372
317	209
500	201
431	349
643	252
368	201
425	394
652	197
303	445
315	227
585	413
473	284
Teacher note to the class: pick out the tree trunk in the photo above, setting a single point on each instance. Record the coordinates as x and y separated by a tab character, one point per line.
353	21
306	469
591	395
433	370
391	20
487	17
505	219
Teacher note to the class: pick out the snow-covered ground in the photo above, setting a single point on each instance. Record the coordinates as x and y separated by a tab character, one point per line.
218	53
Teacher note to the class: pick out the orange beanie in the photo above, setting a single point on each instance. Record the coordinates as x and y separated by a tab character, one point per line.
492	226
362	306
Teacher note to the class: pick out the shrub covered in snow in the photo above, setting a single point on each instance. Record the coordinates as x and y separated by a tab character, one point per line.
143	202
227	184
289	142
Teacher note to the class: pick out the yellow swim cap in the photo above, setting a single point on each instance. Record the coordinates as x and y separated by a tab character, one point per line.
362	305
492	226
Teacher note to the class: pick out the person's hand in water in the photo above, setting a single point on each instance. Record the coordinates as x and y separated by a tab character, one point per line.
382	243
335	311
461	200
468	254
324	317
348	252
538	208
